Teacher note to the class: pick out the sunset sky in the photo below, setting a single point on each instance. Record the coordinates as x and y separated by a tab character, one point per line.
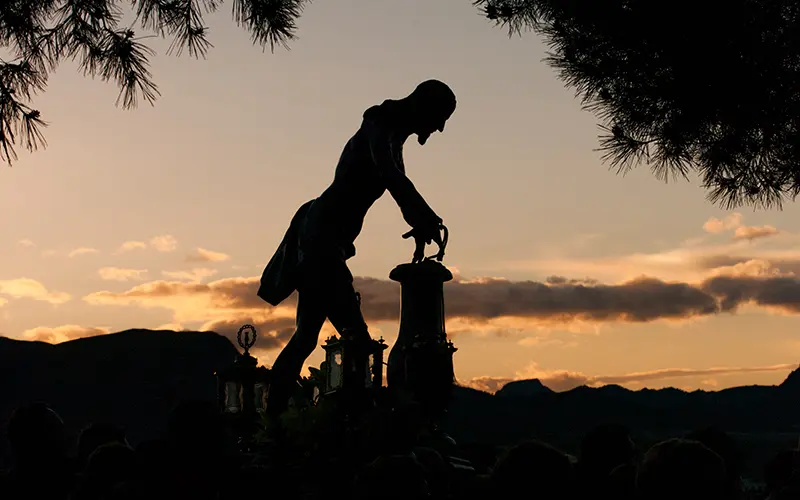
164	217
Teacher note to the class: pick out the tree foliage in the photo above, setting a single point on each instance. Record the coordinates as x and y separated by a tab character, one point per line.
708	86
39	34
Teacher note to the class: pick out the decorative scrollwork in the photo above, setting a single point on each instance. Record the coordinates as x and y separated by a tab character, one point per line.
246	337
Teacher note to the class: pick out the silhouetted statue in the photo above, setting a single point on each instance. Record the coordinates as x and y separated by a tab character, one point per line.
312	256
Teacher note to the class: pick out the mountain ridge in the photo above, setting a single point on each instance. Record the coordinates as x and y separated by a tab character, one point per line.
132	378
135	377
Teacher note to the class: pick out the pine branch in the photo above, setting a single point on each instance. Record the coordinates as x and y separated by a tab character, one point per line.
181	19
189	30
40	33
17	119
270	22
125	62
20	81
515	15
681	86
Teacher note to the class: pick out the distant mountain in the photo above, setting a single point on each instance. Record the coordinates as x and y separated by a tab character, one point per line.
792	382
523	389
133	378
526	408
763	419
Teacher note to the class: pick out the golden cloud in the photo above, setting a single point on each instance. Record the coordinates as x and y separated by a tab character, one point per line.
175	327
120	274
222	305
26	243
741	232
750	251
690	262
132	245
203	255
63	333
753	268
564	380
31	289
164	243
715	225
83	251
195	275
751	233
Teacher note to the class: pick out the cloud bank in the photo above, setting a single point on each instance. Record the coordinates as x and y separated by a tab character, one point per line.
132	245
195	275
62	333
26	288
121	274
83	251
163	243
223	305
733	222
203	255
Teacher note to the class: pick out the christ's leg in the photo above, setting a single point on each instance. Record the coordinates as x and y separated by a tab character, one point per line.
288	365
344	313
326	291
332	282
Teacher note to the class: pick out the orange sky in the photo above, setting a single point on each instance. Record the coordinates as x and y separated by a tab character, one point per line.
165	216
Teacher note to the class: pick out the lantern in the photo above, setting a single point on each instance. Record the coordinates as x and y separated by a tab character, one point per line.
333	366
243	387
352	364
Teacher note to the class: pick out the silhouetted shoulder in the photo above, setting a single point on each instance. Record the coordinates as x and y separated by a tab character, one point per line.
372	113
385	115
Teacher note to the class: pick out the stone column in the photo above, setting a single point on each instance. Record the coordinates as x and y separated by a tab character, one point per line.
420	363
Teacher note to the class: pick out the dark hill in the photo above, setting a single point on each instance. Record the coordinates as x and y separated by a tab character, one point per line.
763	419
523	388
520	407
132	378
135	377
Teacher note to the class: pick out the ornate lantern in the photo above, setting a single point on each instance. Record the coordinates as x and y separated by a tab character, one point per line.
333	366
351	364
421	361
243	387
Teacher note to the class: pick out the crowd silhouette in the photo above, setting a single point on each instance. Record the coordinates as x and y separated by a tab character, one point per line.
196	459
